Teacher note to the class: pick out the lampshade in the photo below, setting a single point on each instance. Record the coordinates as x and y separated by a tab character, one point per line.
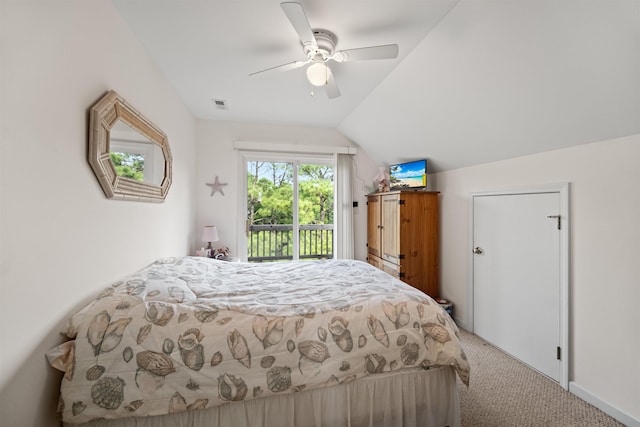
210	234
318	74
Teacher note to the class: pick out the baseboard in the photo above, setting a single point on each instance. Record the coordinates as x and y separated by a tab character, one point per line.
461	324
605	407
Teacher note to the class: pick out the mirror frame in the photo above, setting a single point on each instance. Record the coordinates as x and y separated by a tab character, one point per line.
103	115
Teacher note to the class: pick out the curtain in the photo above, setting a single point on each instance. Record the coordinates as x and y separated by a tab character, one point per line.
344	208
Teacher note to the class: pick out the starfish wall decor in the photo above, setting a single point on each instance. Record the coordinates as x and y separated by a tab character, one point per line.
216	186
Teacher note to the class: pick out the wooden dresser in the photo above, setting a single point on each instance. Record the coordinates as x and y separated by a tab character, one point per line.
402	236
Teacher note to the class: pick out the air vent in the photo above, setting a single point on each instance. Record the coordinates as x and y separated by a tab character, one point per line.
220	104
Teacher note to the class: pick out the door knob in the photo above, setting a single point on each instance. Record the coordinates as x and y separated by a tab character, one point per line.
477	250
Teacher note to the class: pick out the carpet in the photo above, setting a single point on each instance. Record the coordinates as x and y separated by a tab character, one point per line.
505	392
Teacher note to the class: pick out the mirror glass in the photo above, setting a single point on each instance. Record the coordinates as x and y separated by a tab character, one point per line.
129	155
134	155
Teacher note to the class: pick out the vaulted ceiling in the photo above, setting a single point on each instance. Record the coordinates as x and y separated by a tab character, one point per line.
474	81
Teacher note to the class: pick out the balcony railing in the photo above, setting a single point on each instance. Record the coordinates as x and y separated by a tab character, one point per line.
275	242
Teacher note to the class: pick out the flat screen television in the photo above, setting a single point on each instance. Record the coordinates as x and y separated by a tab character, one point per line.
408	175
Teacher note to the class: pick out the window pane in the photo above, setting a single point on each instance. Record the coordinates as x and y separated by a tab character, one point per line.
315	210
270	211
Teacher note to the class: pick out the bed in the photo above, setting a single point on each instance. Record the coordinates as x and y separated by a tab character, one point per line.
196	341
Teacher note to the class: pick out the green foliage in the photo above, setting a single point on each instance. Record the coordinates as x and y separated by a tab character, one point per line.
128	165
269	193
316	201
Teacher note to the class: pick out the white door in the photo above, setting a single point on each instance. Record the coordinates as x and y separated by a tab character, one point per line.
517	276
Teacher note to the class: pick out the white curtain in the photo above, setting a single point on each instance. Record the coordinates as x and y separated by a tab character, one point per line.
344	208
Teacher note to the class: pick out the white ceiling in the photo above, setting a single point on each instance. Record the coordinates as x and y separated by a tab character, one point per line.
475	81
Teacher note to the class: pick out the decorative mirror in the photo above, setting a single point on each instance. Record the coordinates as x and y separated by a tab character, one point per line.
129	155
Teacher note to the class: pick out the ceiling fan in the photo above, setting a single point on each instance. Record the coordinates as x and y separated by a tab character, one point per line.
319	48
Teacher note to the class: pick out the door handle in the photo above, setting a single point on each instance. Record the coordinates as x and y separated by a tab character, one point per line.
558	217
477	250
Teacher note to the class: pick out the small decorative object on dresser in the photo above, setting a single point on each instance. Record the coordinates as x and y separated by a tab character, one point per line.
402	236
381	179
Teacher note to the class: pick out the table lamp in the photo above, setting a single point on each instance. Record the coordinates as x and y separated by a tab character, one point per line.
210	234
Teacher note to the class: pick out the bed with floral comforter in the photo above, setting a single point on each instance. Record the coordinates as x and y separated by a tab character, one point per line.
192	333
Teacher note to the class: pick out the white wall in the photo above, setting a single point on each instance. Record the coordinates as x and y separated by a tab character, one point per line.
62	240
604	245
548	74
216	156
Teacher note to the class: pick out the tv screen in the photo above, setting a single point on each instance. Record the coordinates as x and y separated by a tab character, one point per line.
408	175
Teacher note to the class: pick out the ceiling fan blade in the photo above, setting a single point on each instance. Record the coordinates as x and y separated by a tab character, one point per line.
298	19
387	51
332	87
284	67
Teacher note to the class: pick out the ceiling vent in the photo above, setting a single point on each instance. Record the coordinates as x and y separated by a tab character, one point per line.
220	104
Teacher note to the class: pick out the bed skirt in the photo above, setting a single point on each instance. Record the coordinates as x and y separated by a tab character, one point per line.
409	398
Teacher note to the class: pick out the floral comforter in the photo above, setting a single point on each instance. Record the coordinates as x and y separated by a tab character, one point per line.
191	333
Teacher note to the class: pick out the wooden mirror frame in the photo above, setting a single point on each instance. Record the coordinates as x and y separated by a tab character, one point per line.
103	115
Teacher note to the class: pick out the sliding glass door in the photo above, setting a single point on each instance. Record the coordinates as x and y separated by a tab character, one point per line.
290	208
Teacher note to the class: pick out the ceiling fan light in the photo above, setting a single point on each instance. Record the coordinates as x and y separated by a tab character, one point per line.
318	74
